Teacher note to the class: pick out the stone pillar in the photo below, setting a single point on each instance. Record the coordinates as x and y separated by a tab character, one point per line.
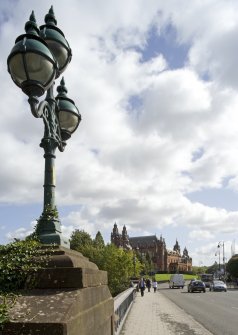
70	297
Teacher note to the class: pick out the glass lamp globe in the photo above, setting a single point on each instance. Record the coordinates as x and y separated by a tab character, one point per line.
68	114
30	63
56	41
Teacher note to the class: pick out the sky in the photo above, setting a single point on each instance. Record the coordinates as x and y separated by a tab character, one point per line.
156	83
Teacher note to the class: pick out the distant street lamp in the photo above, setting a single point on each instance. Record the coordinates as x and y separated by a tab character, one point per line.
221	244
219	259
134	263
37	59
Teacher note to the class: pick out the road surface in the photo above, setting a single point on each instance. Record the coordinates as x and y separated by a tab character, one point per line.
216	311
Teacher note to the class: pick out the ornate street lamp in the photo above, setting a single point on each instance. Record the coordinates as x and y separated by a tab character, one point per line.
36	60
221	244
134	264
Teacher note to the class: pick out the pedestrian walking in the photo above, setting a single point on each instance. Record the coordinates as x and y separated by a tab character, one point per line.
148	284
155	285
142	286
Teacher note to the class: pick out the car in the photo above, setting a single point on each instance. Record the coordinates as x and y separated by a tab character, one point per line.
218	285
196	286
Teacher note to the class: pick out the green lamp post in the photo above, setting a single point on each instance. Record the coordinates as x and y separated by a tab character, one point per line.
37	59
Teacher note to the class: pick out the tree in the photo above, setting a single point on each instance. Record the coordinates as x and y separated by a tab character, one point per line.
118	263
98	241
145	262
232	266
199	269
213	268
79	240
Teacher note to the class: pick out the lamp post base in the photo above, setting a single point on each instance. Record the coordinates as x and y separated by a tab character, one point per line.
54	238
48	231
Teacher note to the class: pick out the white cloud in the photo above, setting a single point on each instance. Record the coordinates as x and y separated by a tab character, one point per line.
201	235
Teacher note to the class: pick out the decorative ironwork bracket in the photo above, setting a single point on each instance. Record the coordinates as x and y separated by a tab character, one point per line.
46	110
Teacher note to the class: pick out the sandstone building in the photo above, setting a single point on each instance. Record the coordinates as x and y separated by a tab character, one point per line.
155	249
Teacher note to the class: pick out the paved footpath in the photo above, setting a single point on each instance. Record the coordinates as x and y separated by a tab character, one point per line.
154	314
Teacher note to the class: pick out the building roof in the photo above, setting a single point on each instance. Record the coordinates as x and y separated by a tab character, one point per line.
140	241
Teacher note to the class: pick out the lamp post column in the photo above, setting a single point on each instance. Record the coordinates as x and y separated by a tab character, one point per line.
219	255
49	144
49	228
49	181
224	260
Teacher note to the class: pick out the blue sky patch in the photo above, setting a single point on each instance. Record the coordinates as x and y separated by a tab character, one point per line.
14	217
167	45
219	198
197	154
135	104
95	151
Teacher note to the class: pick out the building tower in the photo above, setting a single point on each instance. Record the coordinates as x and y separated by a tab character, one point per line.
177	247
125	239
161	254
115	236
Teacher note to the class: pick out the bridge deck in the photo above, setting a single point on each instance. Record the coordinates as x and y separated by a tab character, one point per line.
154	314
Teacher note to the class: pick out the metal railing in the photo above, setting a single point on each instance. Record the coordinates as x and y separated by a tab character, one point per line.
122	305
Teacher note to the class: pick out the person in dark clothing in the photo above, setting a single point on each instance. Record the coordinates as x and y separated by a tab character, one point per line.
148	284
142	286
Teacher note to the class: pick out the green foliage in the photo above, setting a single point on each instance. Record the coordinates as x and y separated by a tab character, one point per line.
94	254
200	269
50	213
79	240
118	263
98	241
7	301
232	266
18	261
145	261
213	268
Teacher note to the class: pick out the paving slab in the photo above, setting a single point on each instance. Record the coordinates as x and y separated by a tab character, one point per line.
155	314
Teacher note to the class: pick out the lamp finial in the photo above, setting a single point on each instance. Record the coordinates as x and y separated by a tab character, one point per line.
50	17
31	26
